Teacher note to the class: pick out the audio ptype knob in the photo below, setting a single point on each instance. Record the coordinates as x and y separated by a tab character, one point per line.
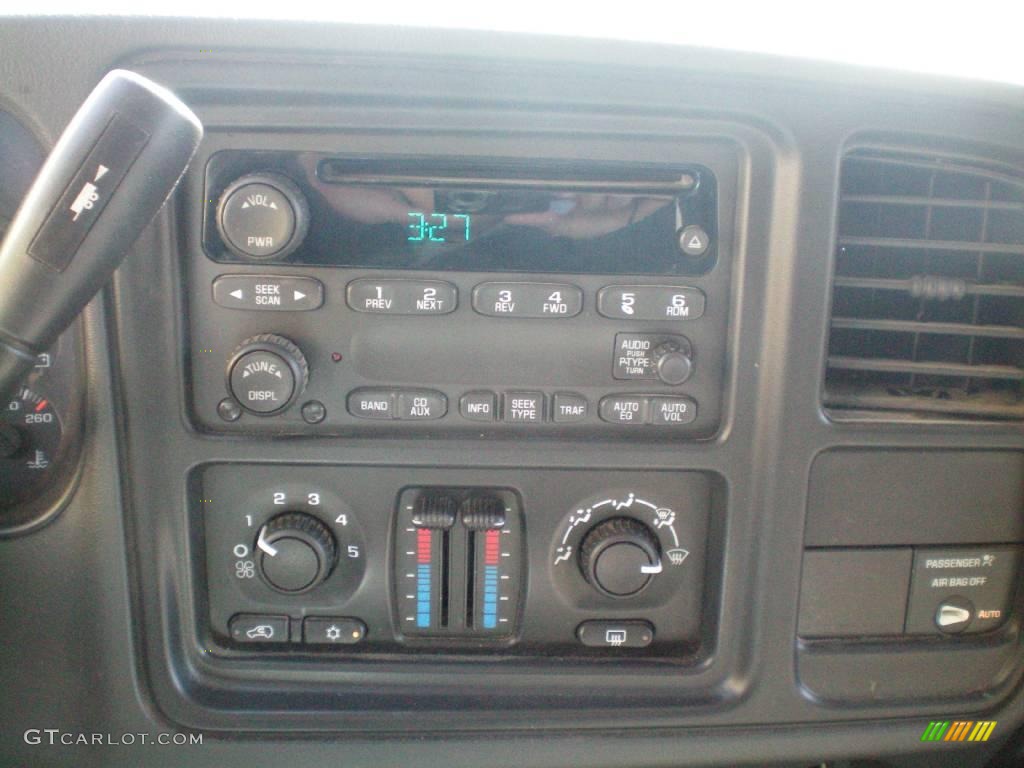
267	373
297	552
619	557
673	363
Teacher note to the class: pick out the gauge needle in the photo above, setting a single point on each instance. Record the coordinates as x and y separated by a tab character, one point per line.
42	404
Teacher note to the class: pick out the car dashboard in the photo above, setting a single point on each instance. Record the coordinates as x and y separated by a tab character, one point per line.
483	399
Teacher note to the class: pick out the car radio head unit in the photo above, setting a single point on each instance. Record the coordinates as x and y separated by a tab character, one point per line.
344	295
465	216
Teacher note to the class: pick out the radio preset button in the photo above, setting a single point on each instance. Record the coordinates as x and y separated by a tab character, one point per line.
372	403
268	292
524	407
527	299
421	405
650	302
402	297
569	407
672	411
624	409
478	406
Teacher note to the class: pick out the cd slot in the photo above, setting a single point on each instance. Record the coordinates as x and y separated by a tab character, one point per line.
477	174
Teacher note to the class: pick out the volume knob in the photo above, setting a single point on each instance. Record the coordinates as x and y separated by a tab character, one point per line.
263	216
297	552
267	373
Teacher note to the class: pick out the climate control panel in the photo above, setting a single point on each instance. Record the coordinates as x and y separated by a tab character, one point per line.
385	559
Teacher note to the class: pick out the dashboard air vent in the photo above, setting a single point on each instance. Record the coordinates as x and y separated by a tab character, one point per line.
928	302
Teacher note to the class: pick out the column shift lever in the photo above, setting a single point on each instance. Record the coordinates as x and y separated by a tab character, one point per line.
116	163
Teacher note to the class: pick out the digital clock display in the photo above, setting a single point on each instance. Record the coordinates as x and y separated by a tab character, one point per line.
439	227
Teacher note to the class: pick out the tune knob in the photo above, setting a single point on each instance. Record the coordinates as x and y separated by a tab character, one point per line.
263	216
267	373
619	557
297	552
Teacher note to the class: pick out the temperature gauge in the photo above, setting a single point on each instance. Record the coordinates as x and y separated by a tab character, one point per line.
30	447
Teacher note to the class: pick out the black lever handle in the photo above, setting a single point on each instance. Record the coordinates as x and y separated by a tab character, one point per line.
116	163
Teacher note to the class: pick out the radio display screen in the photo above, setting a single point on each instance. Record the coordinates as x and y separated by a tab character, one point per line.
586	221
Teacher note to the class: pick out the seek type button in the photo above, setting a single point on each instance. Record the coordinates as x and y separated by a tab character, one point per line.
963	589
268	292
524	407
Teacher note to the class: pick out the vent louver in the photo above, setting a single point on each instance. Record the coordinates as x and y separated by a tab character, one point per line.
928	293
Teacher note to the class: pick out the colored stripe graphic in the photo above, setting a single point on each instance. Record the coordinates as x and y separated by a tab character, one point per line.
982	731
492	551
935	730
423	542
959	730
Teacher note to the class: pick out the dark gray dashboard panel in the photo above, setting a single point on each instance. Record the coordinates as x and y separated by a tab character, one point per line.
124	608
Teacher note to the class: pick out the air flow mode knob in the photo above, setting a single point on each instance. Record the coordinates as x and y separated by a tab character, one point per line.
267	373
620	556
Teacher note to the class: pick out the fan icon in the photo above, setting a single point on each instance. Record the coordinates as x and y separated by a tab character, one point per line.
333	633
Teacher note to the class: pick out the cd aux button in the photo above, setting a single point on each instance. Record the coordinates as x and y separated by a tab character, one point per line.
421	405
